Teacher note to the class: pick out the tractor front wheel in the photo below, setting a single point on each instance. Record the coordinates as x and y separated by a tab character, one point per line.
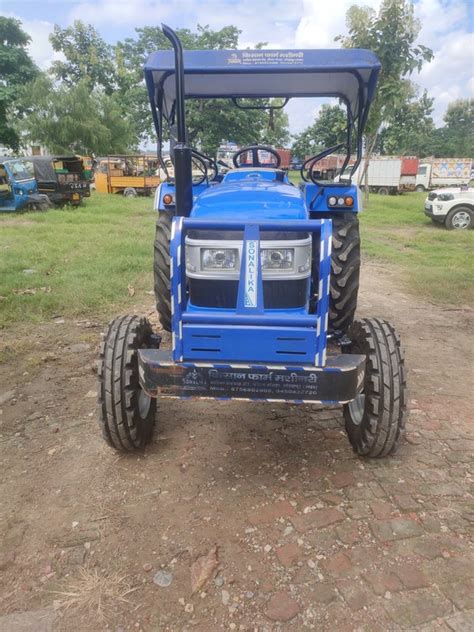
161	268
127	413
375	420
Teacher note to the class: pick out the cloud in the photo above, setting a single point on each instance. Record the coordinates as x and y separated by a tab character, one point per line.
282	24
40	47
455	16
449	75
322	21
108	13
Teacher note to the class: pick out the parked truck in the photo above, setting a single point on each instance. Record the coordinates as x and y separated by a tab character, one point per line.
443	172
388	175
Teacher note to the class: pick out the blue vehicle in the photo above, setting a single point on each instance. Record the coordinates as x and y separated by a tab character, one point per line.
256	278
18	187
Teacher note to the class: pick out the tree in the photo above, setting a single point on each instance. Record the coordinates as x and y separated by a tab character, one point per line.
459	128
276	131
328	129
391	34
76	119
16	70
87	57
410	131
130	56
209	121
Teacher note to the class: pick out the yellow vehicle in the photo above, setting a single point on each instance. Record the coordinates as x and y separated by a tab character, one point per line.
128	175
88	164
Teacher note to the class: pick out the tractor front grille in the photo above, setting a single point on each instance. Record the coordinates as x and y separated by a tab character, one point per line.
283	294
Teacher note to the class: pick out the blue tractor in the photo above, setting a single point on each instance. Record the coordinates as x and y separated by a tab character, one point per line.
256	278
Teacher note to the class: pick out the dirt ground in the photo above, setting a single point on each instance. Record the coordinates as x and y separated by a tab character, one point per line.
305	535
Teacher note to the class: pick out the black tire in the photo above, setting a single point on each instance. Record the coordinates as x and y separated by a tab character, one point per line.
460	218
375	420
383	191
345	271
161	268
420	188
126	413
130	192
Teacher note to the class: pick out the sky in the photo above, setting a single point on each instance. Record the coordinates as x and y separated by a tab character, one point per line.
447	28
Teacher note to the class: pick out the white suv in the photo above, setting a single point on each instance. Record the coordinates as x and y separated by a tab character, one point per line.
452	207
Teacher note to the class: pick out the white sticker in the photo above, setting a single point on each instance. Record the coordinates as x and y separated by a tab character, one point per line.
251	273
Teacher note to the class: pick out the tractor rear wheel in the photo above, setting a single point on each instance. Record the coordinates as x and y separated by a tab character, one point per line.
161	268
345	270
127	413
375	420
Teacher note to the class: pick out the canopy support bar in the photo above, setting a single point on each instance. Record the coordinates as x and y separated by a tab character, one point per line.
182	153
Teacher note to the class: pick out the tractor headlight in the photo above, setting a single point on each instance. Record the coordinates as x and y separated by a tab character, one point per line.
277	258
219	258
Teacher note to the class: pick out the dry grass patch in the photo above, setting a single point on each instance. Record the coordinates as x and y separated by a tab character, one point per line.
96	593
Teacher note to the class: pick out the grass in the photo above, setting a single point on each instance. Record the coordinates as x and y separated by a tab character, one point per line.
86	261
97	259
434	262
95	593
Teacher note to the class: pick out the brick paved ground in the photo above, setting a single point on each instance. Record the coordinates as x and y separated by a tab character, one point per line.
308	536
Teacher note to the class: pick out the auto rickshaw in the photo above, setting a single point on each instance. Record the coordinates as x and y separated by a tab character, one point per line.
61	178
18	187
128	175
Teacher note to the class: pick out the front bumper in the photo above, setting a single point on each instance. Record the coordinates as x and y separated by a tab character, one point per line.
338	382
435	210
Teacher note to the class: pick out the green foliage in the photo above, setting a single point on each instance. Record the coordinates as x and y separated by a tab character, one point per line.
16	70
75	119
275	131
410	131
209	122
459	129
130	56
328	129
89	256
87	57
391	34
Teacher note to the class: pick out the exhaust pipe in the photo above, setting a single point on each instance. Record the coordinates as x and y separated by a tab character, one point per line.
182	153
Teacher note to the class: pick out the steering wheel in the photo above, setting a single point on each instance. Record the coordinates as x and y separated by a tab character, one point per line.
254	149
313	160
204	164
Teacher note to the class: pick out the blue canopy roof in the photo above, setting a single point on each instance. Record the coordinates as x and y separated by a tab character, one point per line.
350	74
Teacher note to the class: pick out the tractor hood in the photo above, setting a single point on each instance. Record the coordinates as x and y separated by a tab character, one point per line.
247	199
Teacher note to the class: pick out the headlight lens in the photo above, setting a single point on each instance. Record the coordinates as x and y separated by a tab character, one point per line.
19	191
277	258
445	197
219	258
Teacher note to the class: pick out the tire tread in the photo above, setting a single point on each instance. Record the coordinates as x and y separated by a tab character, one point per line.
383	424
122	427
